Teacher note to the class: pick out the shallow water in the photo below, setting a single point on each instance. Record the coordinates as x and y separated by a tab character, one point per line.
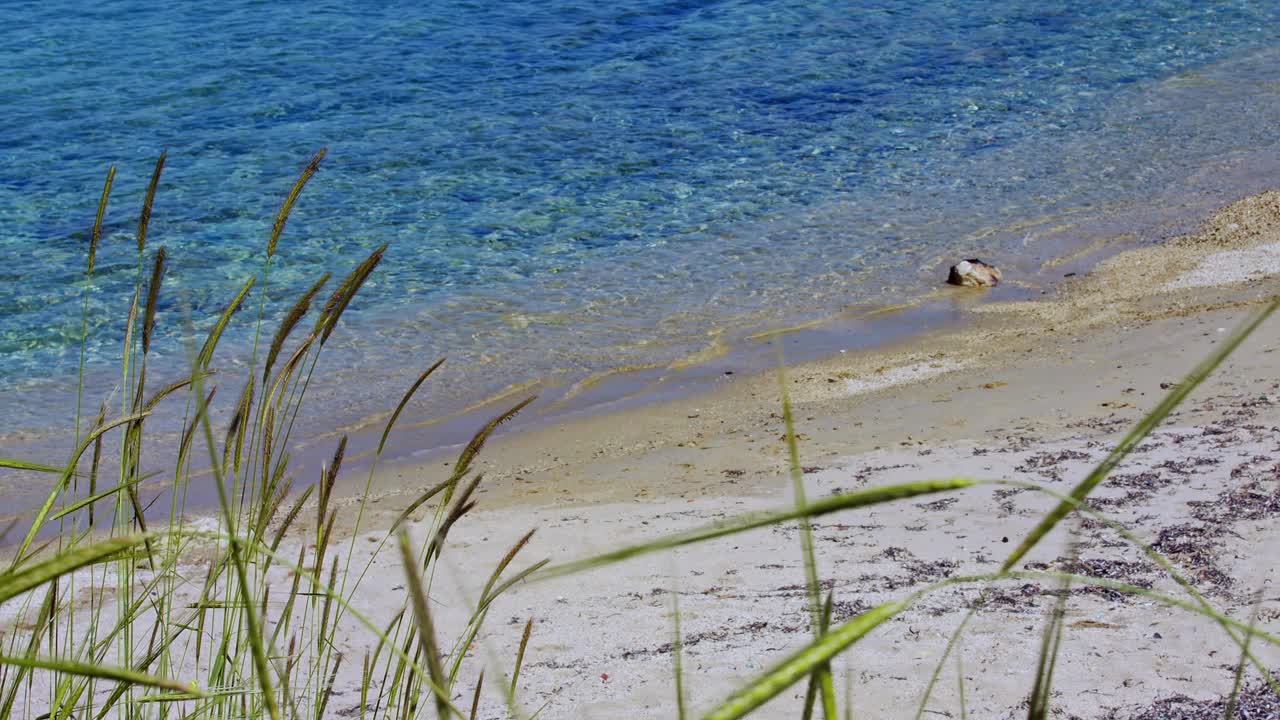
569	187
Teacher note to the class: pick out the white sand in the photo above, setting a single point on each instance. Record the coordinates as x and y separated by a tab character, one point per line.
1232	266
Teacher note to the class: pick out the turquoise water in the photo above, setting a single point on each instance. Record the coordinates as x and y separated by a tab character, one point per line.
568	187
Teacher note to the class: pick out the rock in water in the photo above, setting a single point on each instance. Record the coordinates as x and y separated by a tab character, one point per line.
974	273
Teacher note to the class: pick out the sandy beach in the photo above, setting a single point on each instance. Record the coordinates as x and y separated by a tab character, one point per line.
1031	392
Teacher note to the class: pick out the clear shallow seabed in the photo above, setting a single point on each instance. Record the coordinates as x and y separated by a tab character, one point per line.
570	187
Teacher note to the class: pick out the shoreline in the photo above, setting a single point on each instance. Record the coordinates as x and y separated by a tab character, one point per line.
1067	243
981	339
1072	247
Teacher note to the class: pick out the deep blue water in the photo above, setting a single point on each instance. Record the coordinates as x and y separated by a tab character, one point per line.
569	186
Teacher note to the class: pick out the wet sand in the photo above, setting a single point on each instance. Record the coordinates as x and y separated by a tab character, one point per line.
1045	361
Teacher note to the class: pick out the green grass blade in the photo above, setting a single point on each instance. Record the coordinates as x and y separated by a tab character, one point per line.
205	355
95	237
43	514
504	563
538	713
342	297
236	550
328	687
169	389
386	430
475	698
102	672
481	611
1238	681
426	631
183	697
518	577
1140	432
33	643
1162	562
822	676
16	582
34	467
79	504
803	662
1038	708
815	680
291	320
290	517
478	440
420	500
823	506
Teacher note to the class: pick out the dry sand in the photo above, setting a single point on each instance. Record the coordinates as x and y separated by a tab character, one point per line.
1030	391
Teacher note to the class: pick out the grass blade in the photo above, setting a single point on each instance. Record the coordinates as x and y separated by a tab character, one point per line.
478	617
426	632
16	582
420	500
834	503
503	563
291	320
91	499
211	342
328	687
475	699
103	672
386	431
478	440
815	680
342	297
43	514
1038	708
677	654
1140	432
804	662
290	517
34	467
822	676
237	549
170	389
1238	682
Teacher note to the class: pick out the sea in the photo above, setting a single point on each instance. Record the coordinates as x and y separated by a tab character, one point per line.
572	191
